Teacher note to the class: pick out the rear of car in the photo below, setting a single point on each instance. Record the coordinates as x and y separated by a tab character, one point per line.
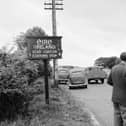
77	79
62	76
95	74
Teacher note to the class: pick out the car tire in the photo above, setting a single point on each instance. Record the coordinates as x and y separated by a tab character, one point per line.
70	87
85	86
102	81
89	81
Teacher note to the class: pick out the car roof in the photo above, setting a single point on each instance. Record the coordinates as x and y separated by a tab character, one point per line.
77	69
64	69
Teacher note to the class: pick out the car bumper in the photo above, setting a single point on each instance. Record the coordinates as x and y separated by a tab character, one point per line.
84	85
63	81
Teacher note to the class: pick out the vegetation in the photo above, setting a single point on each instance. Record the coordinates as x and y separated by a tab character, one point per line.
22	100
62	111
107	62
21	40
17	76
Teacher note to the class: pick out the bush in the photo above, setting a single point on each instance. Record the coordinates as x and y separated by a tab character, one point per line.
12	103
15	94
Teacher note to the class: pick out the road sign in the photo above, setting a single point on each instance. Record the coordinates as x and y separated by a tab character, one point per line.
47	47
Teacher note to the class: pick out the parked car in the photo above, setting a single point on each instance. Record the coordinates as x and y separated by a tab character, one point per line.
69	67
77	78
62	75
95	74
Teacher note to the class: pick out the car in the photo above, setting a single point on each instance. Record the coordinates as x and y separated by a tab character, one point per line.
77	78
62	75
95	74
69	67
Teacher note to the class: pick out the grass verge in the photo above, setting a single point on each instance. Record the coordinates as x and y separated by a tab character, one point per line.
62	111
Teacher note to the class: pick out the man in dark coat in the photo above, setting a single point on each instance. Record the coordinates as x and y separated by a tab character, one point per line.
117	79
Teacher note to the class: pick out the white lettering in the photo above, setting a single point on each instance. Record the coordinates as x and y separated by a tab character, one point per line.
44	44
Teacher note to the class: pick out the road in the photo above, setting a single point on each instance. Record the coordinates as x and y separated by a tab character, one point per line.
98	99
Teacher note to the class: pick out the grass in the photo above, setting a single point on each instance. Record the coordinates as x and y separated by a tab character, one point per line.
62	111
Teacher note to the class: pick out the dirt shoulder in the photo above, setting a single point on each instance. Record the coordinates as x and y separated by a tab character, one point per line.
82	115
67	111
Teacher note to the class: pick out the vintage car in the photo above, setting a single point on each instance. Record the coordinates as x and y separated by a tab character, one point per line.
95	74
62	75
69	67
77	78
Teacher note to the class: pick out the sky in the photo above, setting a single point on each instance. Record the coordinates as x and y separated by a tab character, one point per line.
89	28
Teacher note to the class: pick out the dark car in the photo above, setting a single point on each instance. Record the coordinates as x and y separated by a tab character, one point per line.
77	78
62	75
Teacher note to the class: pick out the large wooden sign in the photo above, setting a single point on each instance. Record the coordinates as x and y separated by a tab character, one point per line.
48	47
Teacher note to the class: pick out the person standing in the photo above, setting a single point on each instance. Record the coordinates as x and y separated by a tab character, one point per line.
117	79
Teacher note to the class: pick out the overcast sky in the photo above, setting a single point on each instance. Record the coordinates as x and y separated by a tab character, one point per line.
90	28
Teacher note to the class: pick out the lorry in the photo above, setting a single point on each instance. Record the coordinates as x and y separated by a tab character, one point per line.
95	74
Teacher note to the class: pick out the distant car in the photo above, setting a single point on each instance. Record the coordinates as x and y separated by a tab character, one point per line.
77	78
68	67
95	74
62	75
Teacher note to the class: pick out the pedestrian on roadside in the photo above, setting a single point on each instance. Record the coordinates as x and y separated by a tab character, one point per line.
117	79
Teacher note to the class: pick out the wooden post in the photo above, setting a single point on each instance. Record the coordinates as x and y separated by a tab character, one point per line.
46	81
55	5
54	32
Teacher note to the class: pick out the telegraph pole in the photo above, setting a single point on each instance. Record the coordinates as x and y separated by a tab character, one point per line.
54	5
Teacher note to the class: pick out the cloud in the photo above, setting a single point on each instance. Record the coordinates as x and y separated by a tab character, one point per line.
90	29
18	16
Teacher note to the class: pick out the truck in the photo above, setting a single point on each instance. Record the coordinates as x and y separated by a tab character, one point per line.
95	74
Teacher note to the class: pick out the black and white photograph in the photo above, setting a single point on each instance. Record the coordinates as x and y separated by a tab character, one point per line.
62	63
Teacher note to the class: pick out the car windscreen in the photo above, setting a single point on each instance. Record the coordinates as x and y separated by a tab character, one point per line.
77	73
62	71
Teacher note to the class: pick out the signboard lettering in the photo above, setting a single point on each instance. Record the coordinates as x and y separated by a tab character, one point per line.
44	47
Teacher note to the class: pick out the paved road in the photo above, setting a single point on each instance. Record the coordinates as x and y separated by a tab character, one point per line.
98	100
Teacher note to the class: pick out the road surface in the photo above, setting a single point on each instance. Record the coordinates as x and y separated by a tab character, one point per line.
98	99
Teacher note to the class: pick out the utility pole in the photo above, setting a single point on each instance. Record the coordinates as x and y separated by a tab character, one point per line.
54	5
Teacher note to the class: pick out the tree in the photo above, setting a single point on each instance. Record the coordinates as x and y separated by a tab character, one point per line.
5	55
33	32
21	42
17	75
108	62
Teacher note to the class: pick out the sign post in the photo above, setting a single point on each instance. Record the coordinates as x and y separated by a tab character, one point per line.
44	48
46	81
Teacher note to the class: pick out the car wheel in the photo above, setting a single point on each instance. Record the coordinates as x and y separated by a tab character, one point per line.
85	86
102	81
70	87
97	81
89	81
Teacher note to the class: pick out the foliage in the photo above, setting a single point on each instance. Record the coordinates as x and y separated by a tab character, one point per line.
107	62
16	76
21	40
